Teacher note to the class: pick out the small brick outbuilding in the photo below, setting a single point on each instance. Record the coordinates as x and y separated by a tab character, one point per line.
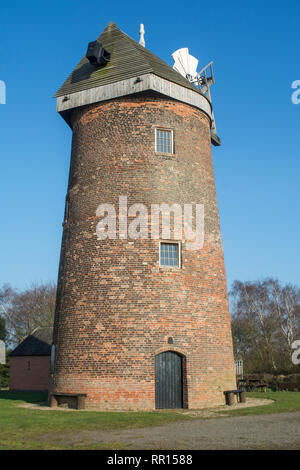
30	362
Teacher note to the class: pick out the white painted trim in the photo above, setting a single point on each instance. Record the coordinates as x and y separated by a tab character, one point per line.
127	87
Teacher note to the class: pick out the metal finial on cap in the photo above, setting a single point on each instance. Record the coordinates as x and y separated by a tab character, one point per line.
142	32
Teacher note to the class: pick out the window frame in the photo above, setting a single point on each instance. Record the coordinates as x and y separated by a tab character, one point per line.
172	242
164	129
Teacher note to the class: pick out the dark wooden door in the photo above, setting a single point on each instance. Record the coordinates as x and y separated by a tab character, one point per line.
168	380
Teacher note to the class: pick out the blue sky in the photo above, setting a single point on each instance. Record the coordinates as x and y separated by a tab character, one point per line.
255	48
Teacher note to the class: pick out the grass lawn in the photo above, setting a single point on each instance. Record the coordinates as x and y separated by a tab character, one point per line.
284	402
22	428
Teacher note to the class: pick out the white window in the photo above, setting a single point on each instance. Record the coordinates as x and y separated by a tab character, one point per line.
169	254
163	141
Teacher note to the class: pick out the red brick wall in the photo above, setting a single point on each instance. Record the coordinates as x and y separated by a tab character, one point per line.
116	307
29	373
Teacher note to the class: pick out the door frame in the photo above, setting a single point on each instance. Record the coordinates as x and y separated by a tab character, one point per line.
184	394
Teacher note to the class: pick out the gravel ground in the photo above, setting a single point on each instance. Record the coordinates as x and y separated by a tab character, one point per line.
202	413
271	432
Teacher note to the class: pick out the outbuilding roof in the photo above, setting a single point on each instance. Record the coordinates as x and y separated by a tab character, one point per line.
128	59
36	344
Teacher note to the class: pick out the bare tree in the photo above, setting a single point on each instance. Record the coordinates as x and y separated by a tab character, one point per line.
287	310
265	322
27	310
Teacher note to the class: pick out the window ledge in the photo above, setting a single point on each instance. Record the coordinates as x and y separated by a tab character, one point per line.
162	154
170	268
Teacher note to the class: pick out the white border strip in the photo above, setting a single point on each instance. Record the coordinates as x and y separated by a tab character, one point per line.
130	86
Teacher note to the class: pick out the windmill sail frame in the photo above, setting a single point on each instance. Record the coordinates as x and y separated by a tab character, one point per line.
186	65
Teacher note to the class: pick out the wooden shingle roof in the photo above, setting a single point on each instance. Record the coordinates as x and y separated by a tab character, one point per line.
128	59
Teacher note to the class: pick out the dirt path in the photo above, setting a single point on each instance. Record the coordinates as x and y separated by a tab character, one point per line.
274	431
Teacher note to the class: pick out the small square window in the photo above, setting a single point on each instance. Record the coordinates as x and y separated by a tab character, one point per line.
170	254
163	141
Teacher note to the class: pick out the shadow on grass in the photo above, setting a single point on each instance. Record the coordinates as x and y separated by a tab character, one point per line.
28	397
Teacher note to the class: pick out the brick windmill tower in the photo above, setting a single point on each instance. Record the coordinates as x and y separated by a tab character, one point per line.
142	322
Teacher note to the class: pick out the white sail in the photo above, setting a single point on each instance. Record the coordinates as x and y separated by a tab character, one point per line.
185	63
